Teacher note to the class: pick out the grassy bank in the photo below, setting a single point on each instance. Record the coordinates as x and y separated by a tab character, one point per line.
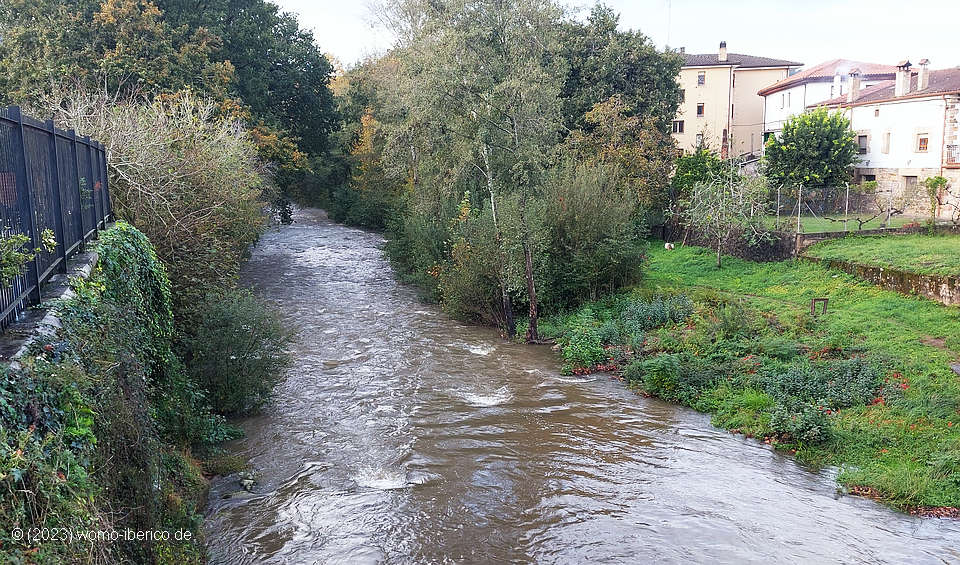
915	253
834	223
866	387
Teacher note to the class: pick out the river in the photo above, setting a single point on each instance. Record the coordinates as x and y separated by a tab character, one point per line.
402	436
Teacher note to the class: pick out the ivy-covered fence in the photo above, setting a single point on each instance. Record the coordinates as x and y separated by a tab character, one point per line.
53	199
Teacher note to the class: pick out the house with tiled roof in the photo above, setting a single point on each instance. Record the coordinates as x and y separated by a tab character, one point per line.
908	129
791	96
720	107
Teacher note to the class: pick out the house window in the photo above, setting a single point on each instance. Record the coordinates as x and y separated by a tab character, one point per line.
876	112
910	182
862	144
831	91
886	142
701	78
788	100
678	126
700	110
923	142
783	100
868	178
683	95
699	140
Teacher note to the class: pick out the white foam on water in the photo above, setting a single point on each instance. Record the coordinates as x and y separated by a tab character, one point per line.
481	349
381	479
574	380
496	398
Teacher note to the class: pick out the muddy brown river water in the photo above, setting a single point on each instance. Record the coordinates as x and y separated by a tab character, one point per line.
402	436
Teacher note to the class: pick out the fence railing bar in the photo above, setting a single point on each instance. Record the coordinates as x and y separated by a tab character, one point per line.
25	197
61	252
36	198
81	237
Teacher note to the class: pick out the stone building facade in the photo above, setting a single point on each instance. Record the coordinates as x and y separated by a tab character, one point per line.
907	131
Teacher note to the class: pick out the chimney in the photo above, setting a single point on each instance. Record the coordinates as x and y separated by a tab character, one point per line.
854	85
722	56
683	50
923	79
837	85
902	84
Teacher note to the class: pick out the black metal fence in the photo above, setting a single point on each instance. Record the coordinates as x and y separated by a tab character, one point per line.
50	179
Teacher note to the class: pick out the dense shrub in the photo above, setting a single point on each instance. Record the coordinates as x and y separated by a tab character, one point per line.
800	423
831	384
189	178
640	315
582	345
80	444
236	351
592	241
677	377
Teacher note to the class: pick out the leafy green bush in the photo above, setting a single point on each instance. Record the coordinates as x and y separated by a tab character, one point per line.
583	347
777	347
831	384
639	315
236	351
801	423
661	376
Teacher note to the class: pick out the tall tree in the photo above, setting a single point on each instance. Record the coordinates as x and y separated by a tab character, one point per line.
643	154
280	71
603	61
122	45
482	72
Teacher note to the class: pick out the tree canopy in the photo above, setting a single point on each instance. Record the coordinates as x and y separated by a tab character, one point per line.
815	149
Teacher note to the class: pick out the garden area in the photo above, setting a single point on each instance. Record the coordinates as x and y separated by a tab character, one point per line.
923	254
834	223
866	387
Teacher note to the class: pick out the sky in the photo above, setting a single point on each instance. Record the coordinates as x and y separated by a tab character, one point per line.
808	31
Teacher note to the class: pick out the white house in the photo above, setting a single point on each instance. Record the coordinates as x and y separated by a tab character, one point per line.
907	130
792	95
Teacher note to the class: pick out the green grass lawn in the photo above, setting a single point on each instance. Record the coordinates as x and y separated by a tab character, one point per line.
751	335
916	253
812	224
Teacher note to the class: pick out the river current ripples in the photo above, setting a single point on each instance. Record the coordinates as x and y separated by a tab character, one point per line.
402	436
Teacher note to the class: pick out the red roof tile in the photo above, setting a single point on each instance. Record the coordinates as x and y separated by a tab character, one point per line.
826	70
943	81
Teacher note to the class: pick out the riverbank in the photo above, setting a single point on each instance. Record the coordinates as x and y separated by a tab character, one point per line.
866	387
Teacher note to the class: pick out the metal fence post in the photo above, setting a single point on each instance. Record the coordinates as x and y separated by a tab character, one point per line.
81	235
108	211
62	244
25	200
93	203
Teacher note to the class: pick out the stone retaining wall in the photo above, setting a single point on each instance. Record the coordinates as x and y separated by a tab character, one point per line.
943	289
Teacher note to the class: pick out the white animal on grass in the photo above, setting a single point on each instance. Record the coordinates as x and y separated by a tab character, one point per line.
668	245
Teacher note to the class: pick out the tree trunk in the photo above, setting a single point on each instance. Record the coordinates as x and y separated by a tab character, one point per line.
510	324
719	248
532	333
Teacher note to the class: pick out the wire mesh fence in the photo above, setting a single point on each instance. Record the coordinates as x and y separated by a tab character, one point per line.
50	179
848	208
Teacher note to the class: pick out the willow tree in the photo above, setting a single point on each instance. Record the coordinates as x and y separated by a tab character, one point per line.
480	78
